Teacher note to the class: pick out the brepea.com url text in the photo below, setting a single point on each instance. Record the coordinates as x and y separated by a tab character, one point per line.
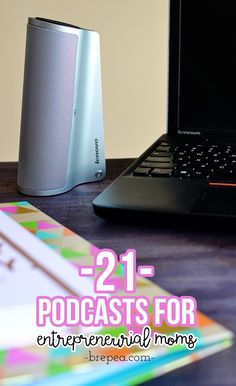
118	358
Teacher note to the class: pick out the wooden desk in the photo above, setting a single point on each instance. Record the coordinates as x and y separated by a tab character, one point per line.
188	262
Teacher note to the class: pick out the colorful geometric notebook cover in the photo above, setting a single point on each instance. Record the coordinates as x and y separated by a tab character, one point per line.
33	365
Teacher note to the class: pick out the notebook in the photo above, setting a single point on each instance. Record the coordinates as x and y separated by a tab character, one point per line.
22	362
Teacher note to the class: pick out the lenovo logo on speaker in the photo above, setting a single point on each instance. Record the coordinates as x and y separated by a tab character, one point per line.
96	151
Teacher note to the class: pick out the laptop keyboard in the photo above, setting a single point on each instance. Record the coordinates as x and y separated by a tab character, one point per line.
213	162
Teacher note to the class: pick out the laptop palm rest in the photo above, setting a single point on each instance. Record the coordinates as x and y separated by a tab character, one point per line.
216	200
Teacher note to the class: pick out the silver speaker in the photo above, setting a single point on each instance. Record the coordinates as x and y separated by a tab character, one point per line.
62	138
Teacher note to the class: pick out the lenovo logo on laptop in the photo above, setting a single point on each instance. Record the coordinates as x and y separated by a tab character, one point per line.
186	132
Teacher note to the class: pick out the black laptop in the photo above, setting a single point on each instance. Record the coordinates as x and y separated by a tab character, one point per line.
191	170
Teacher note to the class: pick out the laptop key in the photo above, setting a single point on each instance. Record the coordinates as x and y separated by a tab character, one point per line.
222	176
161	154
159	159
163	148
184	173
198	174
141	171
161	172
161	165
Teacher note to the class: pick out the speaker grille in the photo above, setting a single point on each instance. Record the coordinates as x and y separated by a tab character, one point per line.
47	108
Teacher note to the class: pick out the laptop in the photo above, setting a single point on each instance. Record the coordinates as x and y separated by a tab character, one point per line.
190	170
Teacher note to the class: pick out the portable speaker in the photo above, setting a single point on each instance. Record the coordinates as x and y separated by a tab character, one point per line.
62	139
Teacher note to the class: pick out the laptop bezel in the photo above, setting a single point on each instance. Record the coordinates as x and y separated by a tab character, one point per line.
173	85
174	30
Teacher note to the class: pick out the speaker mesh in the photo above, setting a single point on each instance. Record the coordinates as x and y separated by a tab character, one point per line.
47	109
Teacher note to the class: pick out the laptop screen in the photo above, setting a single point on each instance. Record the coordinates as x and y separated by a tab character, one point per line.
207	65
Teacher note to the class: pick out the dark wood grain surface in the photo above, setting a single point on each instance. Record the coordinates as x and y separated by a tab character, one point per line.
197	262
